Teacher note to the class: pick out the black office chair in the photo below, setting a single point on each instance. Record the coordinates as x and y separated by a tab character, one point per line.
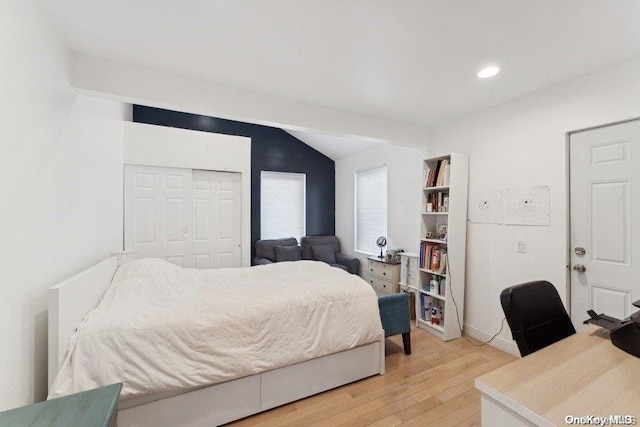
535	315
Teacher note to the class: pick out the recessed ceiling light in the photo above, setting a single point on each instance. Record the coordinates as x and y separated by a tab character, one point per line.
488	72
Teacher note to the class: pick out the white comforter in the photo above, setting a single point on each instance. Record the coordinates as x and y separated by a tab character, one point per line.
162	328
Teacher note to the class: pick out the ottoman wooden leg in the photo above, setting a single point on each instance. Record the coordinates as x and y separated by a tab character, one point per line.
406	342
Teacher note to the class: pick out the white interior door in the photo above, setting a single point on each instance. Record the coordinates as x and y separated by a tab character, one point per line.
217	219
604	221
158	209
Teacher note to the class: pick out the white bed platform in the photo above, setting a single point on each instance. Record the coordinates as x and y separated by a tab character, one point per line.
71	300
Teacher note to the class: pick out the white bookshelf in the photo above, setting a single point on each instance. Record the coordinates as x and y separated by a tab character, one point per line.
452	279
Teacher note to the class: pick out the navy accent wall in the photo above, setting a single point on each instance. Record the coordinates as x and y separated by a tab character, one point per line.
272	149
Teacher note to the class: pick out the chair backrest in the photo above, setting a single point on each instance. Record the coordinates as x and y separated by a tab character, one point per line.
307	241
266	248
535	315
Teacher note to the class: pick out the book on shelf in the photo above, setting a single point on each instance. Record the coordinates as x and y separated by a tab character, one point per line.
423	306
433	257
439	201
442	172
444	180
428	177
443	263
426	250
431	310
432	175
439	176
447	174
436	174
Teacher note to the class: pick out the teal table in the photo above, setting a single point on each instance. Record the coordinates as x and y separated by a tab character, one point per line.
93	408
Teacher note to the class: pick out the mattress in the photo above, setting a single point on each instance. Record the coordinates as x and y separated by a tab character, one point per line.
163	328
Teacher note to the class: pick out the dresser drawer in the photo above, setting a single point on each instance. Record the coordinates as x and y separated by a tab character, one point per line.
380	270
382	285
383	277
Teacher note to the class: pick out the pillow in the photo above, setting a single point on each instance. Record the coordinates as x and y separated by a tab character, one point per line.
323	253
287	253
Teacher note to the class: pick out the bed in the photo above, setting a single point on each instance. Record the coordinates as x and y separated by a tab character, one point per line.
237	370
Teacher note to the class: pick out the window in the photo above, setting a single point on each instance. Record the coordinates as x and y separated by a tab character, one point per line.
282	205
371	209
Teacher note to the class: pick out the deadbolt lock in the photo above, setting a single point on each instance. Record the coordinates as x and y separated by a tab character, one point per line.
579	251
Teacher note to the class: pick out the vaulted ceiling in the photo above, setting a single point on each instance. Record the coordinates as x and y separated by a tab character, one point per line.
409	61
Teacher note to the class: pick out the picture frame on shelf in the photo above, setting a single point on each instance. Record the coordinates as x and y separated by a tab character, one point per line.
442	231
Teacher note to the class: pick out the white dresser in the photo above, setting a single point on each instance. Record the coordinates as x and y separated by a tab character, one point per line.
383	276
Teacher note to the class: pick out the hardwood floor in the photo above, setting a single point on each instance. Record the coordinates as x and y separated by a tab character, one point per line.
432	386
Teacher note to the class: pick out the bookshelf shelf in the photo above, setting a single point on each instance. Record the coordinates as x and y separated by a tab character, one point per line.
426	270
440	297
441	188
430	325
442	242
444	187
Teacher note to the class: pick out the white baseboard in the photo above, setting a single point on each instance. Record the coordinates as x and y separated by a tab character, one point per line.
508	346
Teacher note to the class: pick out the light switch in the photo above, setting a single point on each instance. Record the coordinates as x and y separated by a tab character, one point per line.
522	246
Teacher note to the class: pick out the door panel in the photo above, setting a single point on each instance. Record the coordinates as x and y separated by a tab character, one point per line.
201	226
226	259
613	301
610	229
217	219
145	221
203	261
157	213
603	199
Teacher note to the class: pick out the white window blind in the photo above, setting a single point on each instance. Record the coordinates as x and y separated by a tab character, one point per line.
282	205
371	208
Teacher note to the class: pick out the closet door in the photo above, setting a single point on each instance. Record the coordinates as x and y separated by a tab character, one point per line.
190	218
217	216
158	210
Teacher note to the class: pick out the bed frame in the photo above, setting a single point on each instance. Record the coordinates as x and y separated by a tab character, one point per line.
71	300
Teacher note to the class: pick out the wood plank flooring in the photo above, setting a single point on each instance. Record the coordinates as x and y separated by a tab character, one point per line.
432	386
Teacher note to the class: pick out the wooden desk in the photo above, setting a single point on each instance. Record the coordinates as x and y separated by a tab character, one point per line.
95	408
579	376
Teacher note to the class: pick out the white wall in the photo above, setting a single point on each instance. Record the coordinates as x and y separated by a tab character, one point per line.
61	190
404	173
151	145
523	143
146	86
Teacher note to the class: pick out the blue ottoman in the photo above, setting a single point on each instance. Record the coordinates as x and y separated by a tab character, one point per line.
394	314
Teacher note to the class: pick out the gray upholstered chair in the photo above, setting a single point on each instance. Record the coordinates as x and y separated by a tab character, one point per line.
268	251
327	249
394	314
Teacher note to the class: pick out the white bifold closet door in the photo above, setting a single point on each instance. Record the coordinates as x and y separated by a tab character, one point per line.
191	218
217	219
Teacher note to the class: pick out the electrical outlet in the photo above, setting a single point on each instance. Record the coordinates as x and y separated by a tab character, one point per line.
522	246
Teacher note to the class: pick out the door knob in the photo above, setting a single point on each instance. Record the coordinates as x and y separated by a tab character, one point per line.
579	268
